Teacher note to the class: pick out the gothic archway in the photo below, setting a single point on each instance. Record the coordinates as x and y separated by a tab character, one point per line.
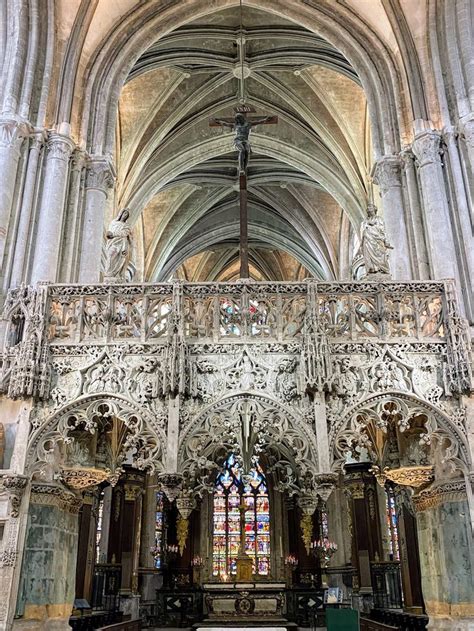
360	423
245	424
88	440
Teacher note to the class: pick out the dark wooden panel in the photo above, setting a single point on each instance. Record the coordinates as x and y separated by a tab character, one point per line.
131	625
372	625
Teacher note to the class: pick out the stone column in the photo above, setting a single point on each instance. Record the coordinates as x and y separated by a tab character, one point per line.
47	585
421	265
15	484
12	134
10	556
20	260
100	178
70	257
466	127
51	211
463	226
442	251
446	555
387	174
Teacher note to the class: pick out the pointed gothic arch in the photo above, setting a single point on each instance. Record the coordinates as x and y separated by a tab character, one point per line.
244	424
64	444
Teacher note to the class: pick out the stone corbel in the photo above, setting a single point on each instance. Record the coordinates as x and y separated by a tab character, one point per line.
170	484
15	485
325	484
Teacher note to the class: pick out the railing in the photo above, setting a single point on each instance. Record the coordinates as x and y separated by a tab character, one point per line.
400	620
227	312
105	587
386	585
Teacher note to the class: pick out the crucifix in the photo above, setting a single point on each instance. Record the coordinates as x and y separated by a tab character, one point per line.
241	125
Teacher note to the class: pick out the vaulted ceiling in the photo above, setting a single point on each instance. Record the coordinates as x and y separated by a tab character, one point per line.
308	175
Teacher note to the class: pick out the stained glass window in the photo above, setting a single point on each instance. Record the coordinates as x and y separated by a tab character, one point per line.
98	530
159	530
231	490
392	524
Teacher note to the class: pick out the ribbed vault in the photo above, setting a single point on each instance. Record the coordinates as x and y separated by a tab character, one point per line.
309	175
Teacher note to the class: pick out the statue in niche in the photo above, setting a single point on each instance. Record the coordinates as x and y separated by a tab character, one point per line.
118	249
373	244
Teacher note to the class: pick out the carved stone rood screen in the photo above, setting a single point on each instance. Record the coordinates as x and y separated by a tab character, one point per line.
225	312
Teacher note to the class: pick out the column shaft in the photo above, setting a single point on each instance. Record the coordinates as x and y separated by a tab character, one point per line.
100	177
11	138
51	213
387	174
442	251
19	270
421	265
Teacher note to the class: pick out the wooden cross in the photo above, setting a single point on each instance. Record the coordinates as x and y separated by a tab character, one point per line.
242	125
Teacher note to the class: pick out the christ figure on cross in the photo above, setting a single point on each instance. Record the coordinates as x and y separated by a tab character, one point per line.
241	126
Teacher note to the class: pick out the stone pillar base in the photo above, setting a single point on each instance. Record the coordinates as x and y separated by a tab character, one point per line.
49	624
130	605
451	624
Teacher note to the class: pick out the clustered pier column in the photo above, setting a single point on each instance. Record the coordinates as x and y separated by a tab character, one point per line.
446	556
47	584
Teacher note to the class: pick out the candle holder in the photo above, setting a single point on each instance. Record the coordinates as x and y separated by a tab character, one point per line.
323	549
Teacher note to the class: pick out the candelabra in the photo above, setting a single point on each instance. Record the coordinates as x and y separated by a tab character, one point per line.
323	549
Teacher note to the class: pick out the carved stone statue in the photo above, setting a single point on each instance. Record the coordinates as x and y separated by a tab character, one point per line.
373	244
118	248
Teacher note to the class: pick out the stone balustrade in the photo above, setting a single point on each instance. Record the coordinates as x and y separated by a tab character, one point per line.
243	311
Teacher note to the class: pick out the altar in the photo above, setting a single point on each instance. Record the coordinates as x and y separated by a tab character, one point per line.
255	604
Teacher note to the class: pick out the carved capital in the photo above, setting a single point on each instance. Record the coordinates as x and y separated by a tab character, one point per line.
438	494
467	131
12	133
427	148
132	492
55	496
78	160
100	174
386	173
15	486
59	147
408	158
